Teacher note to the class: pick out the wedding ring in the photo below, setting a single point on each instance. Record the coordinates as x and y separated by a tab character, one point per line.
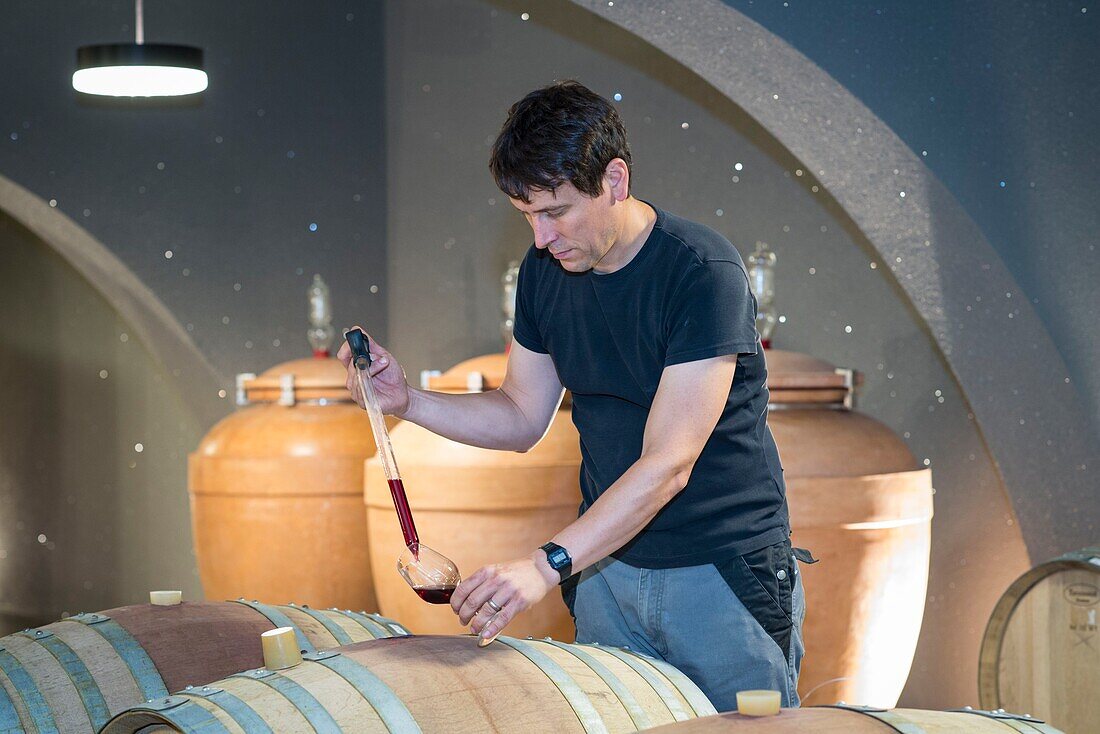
493	605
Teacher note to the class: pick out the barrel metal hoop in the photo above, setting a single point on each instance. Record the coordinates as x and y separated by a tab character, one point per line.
237	709
342	637
187	716
367	623
277	618
308	706
698	700
394	626
141	666
199	691
637	713
27	689
254	674
9	717
316	657
1043	727
577	698
391	709
894	720
83	680
1020	722
650	675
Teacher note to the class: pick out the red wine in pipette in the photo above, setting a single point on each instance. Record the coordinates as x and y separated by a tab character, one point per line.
404	516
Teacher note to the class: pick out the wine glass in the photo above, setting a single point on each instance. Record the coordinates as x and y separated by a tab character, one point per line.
431	575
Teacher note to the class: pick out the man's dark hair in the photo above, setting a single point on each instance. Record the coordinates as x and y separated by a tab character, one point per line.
561	133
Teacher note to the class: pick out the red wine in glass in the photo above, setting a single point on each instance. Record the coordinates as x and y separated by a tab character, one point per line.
435	594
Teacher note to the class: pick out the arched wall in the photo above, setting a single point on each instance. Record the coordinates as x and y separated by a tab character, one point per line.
990	337
147	316
93	483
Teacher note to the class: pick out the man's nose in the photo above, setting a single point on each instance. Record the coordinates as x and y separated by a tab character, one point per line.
544	235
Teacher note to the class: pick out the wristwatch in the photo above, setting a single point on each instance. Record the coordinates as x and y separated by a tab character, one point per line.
559	560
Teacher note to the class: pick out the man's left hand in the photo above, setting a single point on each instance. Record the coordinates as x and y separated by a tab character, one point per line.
505	589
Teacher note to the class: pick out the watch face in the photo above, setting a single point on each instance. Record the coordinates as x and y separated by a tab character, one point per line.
558	558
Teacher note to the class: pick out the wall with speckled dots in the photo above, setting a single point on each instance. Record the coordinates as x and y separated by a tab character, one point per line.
351	139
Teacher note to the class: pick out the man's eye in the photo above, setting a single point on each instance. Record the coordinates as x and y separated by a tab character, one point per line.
555	215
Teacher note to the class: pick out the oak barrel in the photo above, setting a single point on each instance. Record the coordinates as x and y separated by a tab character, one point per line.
861	503
276	491
1041	652
443	684
475	506
860	720
72	676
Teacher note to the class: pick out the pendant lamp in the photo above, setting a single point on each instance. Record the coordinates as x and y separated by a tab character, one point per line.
139	69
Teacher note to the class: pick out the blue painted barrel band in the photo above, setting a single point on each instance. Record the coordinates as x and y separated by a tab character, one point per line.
86	685
334	629
637	713
577	698
39	712
655	681
9	717
391	709
190	718
310	708
235	708
277	618
141	666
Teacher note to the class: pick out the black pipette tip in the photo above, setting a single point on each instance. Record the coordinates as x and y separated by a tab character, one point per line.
360	349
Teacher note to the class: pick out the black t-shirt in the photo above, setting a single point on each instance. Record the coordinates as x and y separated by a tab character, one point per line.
685	296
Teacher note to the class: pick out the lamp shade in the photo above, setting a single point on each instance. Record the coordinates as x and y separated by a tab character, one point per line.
139	70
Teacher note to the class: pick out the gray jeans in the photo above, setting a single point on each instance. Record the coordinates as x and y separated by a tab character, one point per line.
693	619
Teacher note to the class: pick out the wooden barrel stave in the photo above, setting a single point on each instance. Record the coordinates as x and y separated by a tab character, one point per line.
448	684
74	674
845	720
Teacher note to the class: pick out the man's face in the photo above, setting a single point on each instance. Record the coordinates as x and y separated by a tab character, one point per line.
577	230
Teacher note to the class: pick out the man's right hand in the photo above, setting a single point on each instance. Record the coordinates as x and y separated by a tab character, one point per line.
388	378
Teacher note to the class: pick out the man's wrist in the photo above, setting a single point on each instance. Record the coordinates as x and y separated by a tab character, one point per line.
558	559
549	575
406	414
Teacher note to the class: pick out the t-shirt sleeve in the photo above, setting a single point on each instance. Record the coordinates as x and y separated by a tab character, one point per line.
526	328
712	313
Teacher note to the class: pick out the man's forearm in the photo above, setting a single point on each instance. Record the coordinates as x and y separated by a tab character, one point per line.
623	510
488	420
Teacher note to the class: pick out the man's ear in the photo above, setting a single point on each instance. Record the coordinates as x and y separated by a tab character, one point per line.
617	176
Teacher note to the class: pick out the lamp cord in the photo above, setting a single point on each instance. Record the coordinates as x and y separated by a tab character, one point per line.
139	22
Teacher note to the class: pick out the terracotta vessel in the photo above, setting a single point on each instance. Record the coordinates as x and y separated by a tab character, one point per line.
862	504
276	491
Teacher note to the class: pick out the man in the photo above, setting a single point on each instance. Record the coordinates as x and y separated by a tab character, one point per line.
682	545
